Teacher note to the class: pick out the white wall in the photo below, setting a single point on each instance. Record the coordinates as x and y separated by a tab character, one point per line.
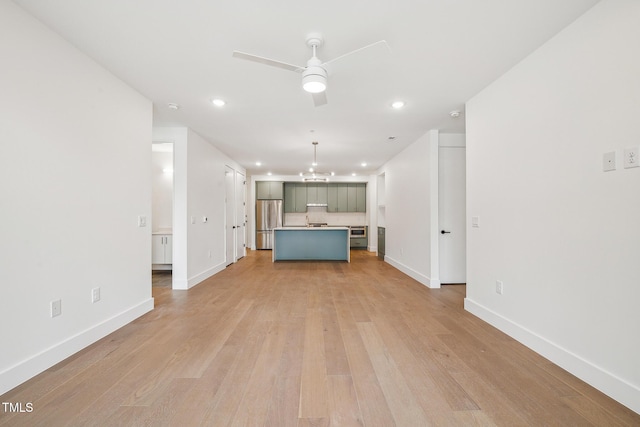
199	191
560	233
411	210
75	171
162	201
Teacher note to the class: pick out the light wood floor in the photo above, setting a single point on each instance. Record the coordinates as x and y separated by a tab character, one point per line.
310	344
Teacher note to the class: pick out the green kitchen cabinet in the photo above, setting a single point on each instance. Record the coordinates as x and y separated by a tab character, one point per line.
295	197
301	197
343	197
269	190
337	198
289	197
361	197
317	193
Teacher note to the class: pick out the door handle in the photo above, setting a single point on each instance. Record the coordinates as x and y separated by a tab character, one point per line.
445	232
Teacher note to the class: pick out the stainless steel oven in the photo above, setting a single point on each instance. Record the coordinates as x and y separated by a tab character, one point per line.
358	232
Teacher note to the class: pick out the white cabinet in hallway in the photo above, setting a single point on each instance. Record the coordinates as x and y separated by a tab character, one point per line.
161	249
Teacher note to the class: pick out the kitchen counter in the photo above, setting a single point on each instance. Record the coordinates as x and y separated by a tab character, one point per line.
163	231
311	243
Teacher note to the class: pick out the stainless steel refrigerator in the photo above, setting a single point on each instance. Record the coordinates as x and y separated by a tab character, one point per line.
268	217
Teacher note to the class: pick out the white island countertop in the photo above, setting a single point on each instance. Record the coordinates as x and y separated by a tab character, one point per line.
302	227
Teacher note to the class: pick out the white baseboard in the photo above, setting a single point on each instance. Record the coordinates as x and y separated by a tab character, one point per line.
29	368
198	278
425	280
614	387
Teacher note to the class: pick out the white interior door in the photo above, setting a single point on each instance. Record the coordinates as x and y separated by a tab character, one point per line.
241	229
229	217
452	214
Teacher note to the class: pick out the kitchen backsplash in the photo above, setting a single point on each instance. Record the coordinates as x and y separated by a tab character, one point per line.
320	215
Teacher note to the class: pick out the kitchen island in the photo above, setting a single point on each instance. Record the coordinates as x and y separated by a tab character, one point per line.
311	244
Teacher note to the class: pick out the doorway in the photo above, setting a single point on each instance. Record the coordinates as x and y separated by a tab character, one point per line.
241	216
229	217
452	210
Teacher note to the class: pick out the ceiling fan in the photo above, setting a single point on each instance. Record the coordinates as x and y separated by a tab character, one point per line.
314	74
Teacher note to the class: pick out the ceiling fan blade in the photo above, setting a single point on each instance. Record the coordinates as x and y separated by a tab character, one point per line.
319	98
379	42
267	61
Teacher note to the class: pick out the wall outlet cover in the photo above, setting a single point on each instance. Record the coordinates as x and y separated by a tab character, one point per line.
56	308
631	159
609	161
95	295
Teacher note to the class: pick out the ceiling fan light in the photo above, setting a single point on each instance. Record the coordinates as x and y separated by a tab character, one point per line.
314	84
314	79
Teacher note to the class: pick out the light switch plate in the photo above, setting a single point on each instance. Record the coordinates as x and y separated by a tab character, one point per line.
56	308
142	221
631	159
475	221
609	161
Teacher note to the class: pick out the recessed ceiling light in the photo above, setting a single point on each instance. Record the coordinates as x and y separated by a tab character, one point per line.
218	102
310	169
333	174
173	106
363	164
353	174
455	114
398	104
269	173
258	163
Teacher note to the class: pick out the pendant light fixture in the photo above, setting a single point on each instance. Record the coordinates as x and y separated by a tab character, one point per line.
315	154
313	175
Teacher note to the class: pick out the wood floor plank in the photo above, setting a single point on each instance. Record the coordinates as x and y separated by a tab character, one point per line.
313	388
310	344
373	405
253	408
285	398
401	401
224	406
437	400
337	362
533	399
492	401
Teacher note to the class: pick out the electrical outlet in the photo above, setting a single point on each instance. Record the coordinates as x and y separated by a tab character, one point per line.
56	308
499	287
631	159
142	221
95	295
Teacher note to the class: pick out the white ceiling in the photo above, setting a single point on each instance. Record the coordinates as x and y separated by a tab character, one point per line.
442	52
